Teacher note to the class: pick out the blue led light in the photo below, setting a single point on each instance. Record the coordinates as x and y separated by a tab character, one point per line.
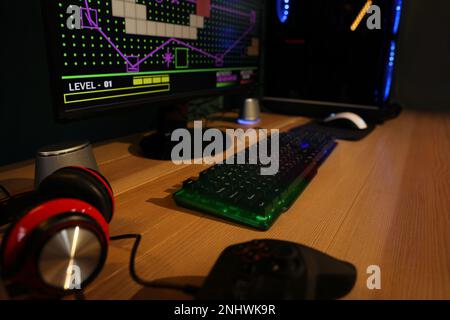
398	15
248	122
283	9
389	71
304	145
392	50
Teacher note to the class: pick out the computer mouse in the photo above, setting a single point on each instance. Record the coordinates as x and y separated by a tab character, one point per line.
346	120
277	270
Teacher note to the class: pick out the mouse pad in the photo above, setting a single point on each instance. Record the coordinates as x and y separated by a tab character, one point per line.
339	133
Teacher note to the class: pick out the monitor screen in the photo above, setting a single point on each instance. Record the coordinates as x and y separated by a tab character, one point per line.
117	53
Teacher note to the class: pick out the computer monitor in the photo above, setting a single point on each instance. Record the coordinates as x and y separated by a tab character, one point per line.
113	54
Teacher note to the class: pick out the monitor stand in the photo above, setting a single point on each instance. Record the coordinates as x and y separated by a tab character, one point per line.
159	145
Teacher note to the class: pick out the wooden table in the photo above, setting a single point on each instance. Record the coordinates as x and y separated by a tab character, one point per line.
383	201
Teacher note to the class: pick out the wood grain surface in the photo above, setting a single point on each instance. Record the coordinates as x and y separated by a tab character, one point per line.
382	201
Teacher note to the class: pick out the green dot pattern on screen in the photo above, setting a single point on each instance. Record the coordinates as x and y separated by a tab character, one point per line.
88	48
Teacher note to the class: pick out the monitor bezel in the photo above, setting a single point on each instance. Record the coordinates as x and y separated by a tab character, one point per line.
48	10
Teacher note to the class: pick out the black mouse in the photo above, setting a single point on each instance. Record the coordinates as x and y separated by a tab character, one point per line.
277	270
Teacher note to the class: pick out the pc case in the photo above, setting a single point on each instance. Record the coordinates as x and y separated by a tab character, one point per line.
316	64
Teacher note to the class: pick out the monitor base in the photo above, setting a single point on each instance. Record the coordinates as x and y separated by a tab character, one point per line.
159	145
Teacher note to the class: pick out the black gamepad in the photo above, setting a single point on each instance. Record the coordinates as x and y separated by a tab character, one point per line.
278	270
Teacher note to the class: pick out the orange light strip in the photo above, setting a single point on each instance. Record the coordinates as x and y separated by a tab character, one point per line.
361	15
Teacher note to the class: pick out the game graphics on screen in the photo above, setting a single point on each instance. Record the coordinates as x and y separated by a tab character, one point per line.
122	49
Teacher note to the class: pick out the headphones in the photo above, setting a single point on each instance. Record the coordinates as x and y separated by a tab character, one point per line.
58	239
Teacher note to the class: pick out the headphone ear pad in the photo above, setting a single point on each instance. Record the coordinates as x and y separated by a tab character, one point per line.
83	184
20	248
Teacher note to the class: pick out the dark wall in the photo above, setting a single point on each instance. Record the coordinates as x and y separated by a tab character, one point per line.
27	120
423	68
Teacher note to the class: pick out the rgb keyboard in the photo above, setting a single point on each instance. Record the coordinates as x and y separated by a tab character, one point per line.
241	194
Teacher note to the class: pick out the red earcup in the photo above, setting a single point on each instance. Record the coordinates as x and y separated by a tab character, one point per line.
72	201
20	232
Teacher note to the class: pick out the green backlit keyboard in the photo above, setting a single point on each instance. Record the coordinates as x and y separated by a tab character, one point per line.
241	194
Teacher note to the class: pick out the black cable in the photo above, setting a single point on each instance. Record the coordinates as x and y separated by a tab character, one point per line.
188	289
4	194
